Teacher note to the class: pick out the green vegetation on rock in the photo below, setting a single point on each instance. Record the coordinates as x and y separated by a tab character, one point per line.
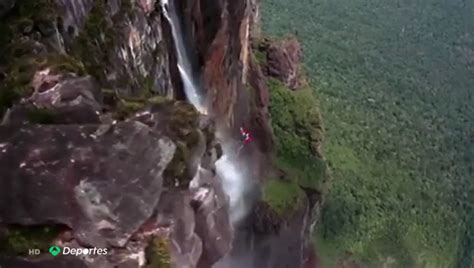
157	253
126	108
23	64
18	240
282	195
260	56
395	83
95	40
181	120
102	38
22	55
297	126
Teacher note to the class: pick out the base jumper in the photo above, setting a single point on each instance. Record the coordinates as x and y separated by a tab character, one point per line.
246	138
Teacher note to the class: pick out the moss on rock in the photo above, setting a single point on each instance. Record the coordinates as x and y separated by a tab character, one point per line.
125	108
261	57
61	63
182	127
17	240
297	125
175	172
98	38
283	196
25	18
24	55
16	83
158	253
95	40
260	47
157	100
23	64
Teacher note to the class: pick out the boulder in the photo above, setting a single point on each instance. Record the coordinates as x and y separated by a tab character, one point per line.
102	181
59	99
54	91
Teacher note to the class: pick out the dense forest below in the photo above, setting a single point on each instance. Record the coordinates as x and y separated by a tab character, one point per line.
395	82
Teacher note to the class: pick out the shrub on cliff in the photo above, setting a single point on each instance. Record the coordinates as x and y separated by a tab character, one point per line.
158	255
297	125
298	130
17	240
22	53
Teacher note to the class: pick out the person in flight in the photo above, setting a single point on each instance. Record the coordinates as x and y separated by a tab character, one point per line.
246	137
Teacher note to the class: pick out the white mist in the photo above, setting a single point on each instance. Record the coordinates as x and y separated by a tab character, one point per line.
233	182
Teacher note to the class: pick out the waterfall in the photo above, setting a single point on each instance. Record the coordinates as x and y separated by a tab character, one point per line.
191	86
231	172
234	184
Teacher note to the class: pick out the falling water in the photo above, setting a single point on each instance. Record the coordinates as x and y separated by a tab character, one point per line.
234	184
227	167
191	87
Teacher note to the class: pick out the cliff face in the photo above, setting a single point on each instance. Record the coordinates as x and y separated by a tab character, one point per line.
279	230
98	149
228	46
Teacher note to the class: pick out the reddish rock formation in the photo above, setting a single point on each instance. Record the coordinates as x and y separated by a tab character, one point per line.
221	36
260	100
283	61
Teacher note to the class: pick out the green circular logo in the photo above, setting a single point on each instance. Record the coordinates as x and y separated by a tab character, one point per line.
54	250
